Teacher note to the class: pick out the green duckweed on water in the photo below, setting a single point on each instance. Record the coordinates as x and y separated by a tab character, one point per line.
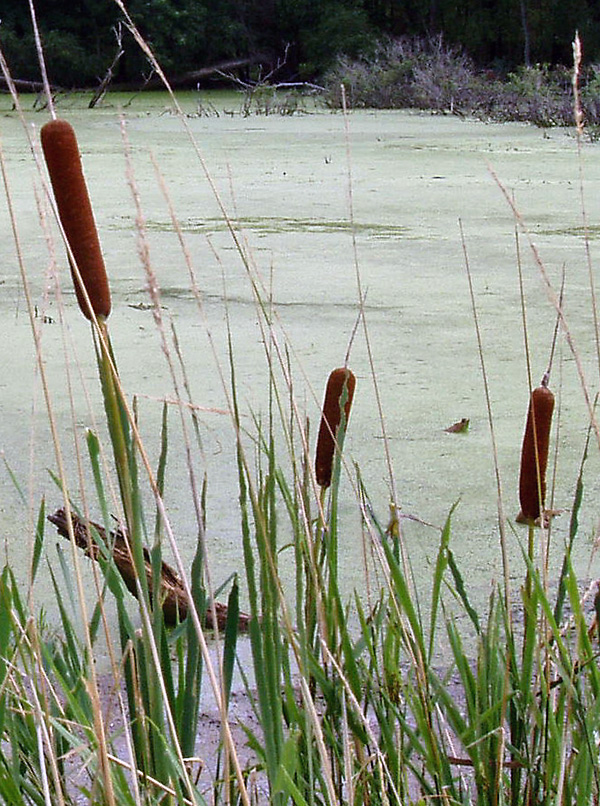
285	183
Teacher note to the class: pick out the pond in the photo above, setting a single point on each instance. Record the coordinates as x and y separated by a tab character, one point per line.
315	208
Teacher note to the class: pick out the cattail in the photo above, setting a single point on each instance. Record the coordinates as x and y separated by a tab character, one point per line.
338	394
534	454
75	210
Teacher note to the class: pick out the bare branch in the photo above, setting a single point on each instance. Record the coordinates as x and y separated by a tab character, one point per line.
105	83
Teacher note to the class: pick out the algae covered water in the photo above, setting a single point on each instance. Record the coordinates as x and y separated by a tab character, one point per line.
321	207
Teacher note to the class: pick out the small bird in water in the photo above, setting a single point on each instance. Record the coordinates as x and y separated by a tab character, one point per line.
458	428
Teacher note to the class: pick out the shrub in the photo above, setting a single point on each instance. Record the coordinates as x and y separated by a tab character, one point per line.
429	74
417	73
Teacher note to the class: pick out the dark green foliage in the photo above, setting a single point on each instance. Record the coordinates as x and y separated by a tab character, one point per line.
78	39
307	35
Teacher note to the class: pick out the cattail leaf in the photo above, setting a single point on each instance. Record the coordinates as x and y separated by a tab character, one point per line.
162	464
597	612
461	590
573	528
288	770
39	540
231	632
6	622
15	481
405	600
440	568
585	649
68	628
68	581
93	446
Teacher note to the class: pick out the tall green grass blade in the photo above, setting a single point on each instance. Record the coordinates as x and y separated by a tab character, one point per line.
164	446
192	670
74	651
461	590
68	580
467	679
162	468
124	454
289	770
530	638
263	628
573	527
93	446
404	601
15	482
13	596
96	617
588	659
438	576
563	657
39	540
118	424
6	634
230	642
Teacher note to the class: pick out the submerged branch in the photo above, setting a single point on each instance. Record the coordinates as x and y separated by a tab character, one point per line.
174	599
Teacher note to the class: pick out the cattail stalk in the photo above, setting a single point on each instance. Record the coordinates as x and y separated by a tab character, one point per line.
534	455
322	578
338	400
61	153
532	491
62	157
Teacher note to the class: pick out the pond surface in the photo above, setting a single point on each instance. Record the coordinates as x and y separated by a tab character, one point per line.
285	180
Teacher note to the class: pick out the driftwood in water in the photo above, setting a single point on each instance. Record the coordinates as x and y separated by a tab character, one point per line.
173	595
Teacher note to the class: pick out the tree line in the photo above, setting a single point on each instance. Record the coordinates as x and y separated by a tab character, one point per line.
299	39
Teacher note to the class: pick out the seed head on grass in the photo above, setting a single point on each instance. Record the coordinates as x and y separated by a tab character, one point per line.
61	153
338	397
534	455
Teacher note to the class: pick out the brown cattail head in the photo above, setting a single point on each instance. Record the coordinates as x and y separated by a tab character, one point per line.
338	395
534	454
61	153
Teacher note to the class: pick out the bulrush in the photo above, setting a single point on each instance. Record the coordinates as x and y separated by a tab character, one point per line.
534	455
61	153
338	395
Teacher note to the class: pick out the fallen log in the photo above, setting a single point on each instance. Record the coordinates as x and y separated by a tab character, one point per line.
175	602
26	86
194	76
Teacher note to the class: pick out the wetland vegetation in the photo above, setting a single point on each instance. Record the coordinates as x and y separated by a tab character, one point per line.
406	641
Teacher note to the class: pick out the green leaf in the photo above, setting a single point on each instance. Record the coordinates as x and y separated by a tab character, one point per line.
231	632
39	540
288	770
461	590
438	576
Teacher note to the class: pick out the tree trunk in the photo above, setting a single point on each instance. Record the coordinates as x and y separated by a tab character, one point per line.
526	39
